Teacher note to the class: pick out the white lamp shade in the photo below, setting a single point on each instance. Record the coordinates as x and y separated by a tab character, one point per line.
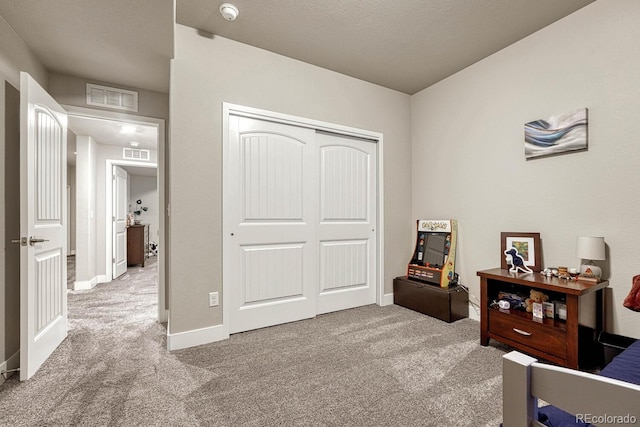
590	248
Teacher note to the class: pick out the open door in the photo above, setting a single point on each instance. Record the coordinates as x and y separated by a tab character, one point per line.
43	264
119	221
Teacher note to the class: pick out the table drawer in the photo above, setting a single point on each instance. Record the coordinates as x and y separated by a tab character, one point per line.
528	332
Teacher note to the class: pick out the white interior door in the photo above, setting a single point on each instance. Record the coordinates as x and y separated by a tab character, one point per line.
43	266
119	218
270	248
346	228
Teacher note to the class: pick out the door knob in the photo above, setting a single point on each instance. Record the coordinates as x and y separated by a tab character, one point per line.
33	240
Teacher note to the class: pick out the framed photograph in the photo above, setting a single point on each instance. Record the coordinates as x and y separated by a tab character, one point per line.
527	245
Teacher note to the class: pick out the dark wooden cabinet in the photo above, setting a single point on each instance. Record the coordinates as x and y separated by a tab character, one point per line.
448	304
137	244
551	339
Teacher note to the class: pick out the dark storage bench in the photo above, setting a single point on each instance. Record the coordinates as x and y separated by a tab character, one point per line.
448	304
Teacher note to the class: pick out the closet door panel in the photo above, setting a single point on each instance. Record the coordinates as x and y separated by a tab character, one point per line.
346	229
272	250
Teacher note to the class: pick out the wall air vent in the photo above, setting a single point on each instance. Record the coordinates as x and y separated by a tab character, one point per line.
111	97
135	154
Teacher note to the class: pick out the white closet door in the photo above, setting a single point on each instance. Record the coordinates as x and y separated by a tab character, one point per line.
347	222
270	246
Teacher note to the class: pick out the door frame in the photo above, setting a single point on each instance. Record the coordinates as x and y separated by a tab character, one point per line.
229	109
73	110
68	219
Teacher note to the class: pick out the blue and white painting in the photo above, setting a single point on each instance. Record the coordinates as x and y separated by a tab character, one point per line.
556	134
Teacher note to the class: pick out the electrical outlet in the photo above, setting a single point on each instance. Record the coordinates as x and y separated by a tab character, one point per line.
213	299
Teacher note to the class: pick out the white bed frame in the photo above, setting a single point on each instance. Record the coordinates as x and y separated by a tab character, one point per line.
596	399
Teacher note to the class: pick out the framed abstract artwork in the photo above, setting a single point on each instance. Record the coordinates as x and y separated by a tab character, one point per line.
556	134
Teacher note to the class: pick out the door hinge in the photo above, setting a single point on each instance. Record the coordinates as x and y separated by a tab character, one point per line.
113	260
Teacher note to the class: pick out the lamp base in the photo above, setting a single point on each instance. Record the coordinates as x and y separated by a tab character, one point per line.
590	269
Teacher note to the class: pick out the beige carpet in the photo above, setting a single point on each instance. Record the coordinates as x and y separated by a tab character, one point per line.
370	366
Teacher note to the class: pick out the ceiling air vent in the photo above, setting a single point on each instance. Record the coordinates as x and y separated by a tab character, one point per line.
135	154
111	97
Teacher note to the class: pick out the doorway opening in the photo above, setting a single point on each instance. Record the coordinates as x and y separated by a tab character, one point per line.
104	141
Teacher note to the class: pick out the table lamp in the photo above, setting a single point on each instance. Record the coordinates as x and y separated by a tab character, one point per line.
590	249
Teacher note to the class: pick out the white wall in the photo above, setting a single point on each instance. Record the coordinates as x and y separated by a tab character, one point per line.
15	56
467	139
86	209
145	188
71	182
208	71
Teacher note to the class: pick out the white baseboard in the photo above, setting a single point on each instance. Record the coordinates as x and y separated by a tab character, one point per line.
474	312
11	363
387	299
85	285
197	337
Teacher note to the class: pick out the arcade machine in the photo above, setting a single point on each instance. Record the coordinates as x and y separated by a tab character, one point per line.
431	284
434	258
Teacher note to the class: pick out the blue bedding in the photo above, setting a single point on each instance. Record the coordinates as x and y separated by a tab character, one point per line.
624	367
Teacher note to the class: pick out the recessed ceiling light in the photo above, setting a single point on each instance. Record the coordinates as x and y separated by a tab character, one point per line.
229	11
128	129
134	143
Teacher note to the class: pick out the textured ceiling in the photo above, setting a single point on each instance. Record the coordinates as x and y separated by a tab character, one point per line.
405	45
128	42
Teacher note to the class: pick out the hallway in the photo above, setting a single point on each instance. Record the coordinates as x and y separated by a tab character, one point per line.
129	299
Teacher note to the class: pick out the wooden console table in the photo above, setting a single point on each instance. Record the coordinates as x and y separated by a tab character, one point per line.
137	244
551	339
